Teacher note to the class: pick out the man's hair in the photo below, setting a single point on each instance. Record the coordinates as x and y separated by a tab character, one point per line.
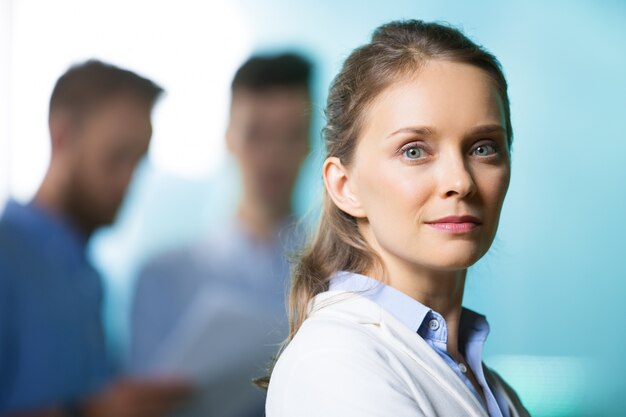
86	85
263	72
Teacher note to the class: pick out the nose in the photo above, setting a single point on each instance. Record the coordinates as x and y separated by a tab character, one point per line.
455	179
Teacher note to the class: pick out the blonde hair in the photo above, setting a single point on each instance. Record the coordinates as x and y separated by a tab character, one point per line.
396	49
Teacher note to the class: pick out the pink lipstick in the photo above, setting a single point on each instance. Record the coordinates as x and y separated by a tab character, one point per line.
455	224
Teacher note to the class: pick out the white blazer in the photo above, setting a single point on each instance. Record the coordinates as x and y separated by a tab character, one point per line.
353	358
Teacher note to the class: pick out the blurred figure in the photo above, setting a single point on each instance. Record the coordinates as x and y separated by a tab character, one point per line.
53	360
217	308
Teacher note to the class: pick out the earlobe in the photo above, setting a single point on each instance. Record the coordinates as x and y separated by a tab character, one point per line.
60	125
228	137
340	189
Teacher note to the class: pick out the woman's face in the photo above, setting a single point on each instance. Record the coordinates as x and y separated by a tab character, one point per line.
432	167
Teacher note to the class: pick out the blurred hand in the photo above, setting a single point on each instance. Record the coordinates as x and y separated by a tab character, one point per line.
137	398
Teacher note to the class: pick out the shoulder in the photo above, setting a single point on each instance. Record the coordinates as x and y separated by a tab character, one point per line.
333	365
330	347
173	265
201	257
335	327
172	258
19	245
338	321
327	333
13	236
166	278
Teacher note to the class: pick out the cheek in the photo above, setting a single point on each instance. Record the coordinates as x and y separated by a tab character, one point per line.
493	185
102	184
393	197
88	168
248	154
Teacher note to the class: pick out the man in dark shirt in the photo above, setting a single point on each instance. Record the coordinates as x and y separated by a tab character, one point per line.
53	359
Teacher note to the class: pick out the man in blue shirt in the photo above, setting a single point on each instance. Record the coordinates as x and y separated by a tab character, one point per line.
215	310
53	360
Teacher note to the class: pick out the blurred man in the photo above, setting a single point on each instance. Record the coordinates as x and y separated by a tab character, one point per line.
216	310
52	348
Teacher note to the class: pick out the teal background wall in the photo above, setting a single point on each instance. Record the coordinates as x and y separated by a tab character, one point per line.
554	284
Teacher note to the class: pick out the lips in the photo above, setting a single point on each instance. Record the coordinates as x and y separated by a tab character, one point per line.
456	224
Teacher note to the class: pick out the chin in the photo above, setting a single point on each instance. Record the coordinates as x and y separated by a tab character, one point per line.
455	258
463	262
105	218
109	220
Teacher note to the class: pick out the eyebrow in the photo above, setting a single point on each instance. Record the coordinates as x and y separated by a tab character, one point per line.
426	130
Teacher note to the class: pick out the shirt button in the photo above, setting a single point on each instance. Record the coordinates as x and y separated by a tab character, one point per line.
462	368
433	324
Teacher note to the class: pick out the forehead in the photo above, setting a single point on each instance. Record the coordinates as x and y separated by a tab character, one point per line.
274	104
127	109
124	102
447	95
120	120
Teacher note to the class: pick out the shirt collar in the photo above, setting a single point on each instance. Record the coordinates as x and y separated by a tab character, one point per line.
410	312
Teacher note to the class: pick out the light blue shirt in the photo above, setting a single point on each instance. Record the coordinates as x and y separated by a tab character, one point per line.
52	347
225	297
431	326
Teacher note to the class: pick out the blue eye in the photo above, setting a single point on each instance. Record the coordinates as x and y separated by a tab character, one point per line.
484	150
413	152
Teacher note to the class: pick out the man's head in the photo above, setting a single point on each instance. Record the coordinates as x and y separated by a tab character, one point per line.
268	132
100	128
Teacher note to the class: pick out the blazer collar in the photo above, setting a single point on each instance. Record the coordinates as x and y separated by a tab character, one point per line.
358	309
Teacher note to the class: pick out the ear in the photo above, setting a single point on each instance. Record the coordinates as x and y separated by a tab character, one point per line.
230	145
62	131
340	189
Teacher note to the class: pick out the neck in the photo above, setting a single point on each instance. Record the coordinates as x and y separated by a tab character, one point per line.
261	220
440	290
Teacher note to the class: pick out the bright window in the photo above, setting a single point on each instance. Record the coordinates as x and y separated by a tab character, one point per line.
191	48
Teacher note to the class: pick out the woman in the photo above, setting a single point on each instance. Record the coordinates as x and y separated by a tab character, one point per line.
418	138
